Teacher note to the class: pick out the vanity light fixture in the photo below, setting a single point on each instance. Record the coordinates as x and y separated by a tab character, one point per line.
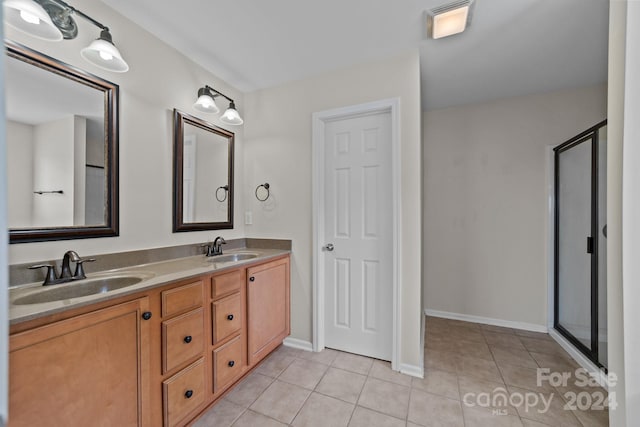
449	19
206	103
51	20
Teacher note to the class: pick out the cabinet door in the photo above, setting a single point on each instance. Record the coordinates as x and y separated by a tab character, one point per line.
267	307
87	370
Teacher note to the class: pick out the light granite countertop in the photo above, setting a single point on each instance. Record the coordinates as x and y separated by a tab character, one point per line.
152	274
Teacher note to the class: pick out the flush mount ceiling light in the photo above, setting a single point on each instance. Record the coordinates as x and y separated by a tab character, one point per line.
52	20
449	19
206	103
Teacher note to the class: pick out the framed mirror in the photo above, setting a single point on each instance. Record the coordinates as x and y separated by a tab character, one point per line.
202	175
62	149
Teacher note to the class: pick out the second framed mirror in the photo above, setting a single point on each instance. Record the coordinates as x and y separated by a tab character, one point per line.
202	175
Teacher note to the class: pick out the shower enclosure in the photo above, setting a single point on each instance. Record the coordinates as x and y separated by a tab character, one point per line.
580	312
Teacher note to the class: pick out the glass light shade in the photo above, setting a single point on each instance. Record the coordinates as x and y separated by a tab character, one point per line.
450	22
102	53
31	18
206	104
231	116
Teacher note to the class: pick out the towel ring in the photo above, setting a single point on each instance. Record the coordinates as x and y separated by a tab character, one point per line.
266	187
226	192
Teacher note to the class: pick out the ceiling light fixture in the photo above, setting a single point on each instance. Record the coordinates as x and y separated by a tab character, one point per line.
206	103
52	20
449	19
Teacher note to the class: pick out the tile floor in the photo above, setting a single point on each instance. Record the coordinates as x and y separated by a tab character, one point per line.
468	369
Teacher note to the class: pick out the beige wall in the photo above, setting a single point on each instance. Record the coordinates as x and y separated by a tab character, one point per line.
159	80
486	188
278	151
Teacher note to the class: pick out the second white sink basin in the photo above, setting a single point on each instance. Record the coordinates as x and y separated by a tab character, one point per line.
233	257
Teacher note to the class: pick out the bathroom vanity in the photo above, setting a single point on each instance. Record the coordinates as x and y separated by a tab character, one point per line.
156	353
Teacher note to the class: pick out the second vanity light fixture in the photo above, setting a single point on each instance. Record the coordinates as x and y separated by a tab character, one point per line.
206	103
51	20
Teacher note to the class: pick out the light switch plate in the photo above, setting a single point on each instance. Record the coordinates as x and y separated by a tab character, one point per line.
248	218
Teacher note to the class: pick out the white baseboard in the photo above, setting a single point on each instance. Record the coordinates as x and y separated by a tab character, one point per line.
487	321
412	370
299	344
597	373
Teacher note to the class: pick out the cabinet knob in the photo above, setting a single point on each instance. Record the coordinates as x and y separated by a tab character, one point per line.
146	315
188	394
230	317
252	279
231	363
187	339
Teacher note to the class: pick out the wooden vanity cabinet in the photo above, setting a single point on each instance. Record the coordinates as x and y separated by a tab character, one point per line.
91	369
268	320
156	358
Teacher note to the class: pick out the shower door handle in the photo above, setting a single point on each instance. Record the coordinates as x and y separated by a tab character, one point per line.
589	245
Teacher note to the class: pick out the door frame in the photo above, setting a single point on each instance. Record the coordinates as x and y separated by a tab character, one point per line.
319	120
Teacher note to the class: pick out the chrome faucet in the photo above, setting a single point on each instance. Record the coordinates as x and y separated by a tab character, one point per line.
52	278
214	248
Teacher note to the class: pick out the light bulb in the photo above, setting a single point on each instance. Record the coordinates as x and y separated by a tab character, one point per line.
105	55
29	17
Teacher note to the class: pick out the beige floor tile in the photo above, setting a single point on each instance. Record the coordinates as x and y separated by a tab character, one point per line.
253	419
526	378
504	340
304	373
543	346
274	365
485	394
555	415
530	423
427	409
595	418
352	362
382	371
463	324
341	384
555	362
441	360
223	414
440	343
320	411
465	333
281	401
482	417
248	390
497	329
438	382
326	356
514	357
478	368
382	396
284	350
477	349
531	334
363	417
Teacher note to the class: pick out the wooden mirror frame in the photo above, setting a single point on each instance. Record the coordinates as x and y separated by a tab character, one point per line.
111	97
179	120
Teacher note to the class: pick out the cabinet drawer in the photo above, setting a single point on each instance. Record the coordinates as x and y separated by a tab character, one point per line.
183	298
226	283
183	393
227	363
182	339
226	316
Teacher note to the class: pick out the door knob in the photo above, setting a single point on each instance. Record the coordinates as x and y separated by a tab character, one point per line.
328	247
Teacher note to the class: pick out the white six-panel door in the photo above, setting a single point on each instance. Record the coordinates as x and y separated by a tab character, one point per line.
358	253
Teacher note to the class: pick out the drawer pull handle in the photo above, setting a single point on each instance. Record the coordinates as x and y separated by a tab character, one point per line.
231	363
252	279
188	339
230	317
188	394
146	315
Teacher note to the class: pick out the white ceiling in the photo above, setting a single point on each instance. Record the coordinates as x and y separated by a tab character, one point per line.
513	47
